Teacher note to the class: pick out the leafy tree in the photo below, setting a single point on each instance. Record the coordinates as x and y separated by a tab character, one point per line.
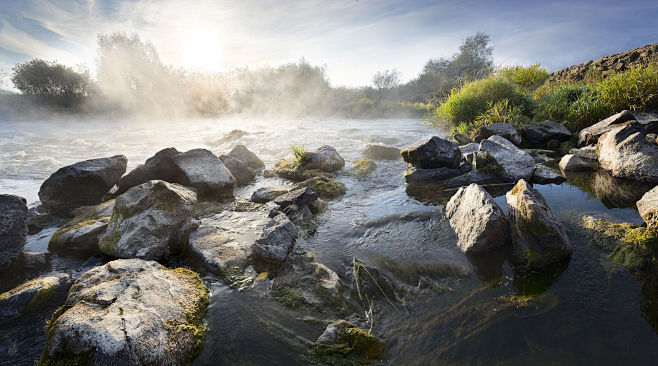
50	79
387	79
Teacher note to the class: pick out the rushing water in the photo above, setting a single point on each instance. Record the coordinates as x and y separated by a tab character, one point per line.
456	310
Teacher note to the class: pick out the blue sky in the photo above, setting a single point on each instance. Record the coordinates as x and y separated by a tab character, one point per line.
354	39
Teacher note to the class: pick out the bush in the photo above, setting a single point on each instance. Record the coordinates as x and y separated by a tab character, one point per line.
527	76
502	112
468	103
635	89
50	79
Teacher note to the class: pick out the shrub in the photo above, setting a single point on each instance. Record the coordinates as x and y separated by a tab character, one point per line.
635	89
502	112
466	104
50	79
527	76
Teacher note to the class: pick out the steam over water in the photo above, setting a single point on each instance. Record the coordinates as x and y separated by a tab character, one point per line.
457	310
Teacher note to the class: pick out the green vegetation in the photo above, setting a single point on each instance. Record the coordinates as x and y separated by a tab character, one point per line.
324	187
287	296
55	82
364	168
298	152
527	76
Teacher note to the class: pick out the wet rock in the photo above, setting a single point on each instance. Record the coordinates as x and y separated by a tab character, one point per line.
364	168
591	134
648	208
81	184
216	249
543	132
38	219
381	152
625	153
469	151
586	152
546	175
574	163
651	137
477	219
297	197
243	154
276	240
432	153
461	139
36	259
500	157
242	172
231	136
432	175
506	130
13	227
317	284
324	187
325	158
80	239
267	194
34	295
202	170
146	219
352	338
159	166
129	312
615	192
474	176
293	170
538	236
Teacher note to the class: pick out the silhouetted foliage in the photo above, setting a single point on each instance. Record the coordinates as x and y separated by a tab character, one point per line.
50	79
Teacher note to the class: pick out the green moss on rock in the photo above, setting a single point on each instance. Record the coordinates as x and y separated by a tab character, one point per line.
291	169
364	168
288	296
324	187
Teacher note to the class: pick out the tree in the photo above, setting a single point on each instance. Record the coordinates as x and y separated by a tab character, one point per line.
386	80
475	55
50	79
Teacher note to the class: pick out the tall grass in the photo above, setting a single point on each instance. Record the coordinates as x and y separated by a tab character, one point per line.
298	152
527	76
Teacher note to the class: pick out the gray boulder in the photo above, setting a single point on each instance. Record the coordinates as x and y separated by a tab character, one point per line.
381	152
506	130
432	153
474	176
146	219
80	239
500	157
276	240
432	175
543	132
36	259
13	227
242	172
81	184
591	134
202	170
586	152
159	166
297	197
325	158
625	153
129	312
469	151
461	139
477	219
318	285
267	194
546	175
34	295
243	154
647	206
538	236
574	163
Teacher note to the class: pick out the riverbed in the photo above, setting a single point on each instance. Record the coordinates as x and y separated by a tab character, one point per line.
451	309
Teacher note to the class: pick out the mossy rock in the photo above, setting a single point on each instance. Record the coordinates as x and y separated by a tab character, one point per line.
33	295
343	343
324	187
291	169
364	168
287	296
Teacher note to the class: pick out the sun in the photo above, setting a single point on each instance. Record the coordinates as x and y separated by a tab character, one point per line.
202	51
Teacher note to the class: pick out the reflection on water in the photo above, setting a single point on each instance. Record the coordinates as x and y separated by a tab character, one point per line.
450	309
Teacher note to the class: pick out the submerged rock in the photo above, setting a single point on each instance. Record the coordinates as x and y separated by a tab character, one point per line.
34	295
574	163
625	153
324	158
432	153
146	219
381	152
267	194
242	172
316	284
243	154
324	187
13	227
364	168
506	130
36	259
276	240
546	175
81	184
591	134
538	236
477	219
543	132
500	157
129	312
351	339
647	206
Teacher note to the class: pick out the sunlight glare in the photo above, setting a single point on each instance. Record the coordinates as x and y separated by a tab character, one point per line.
202	51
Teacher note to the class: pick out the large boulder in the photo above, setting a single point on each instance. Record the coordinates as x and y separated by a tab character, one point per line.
500	157
506	130
574	163
13	227
477	219
129	312
276	240
647	206
538	236
34	295
585	152
432	153
81	184
159	166
591	134
541	133
381	152
146	219
625	153
242	172
243	154
325	158
80	239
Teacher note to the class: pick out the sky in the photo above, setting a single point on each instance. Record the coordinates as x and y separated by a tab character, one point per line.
352	38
